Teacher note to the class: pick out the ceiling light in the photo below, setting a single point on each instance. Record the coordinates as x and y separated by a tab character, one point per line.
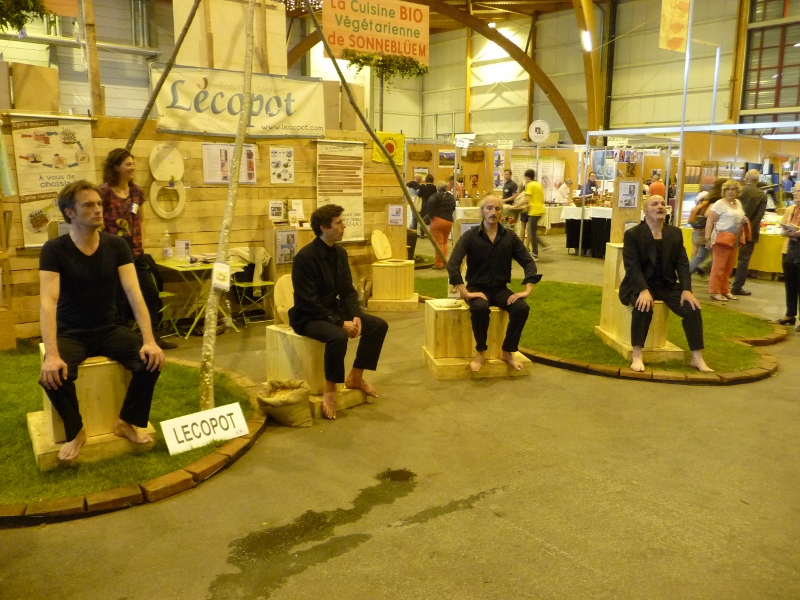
492	25
797	45
586	41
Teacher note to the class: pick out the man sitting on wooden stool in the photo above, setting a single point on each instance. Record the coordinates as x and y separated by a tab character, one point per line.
489	249
78	275
326	307
657	268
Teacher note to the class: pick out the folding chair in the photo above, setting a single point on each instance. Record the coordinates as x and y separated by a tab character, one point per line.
247	299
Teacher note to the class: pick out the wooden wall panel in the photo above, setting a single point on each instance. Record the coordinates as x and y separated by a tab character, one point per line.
202	217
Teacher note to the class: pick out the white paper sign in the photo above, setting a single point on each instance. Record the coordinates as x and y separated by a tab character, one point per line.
217	166
297	207
395	214
221	277
198	429
281	164
183	248
276	210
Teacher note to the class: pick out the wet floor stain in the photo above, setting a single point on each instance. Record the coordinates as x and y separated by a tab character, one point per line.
267	558
438	511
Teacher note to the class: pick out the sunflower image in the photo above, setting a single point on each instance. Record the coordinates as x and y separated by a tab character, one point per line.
123	227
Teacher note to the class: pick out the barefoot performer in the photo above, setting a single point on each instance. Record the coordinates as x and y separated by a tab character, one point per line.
489	248
78	276
326	307
657	268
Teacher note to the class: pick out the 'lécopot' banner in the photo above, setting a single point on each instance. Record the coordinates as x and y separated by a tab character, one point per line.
208	101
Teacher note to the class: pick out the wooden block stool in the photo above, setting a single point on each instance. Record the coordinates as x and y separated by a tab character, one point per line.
101	387
392	279
450	345
615	318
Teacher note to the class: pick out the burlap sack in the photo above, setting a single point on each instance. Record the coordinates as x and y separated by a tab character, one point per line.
286	402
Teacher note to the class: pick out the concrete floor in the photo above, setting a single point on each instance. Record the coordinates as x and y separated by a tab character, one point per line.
560	485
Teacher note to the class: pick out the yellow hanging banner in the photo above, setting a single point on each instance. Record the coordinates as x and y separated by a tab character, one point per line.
674	25
394	143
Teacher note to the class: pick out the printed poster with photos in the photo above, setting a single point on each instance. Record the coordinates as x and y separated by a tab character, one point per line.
281	164
49	154
340	180
629	194
286	246
217	160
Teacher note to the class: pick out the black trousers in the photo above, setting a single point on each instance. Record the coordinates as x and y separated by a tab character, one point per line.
479	313
149	292
791	282
117	343
373	332
691	318
745	252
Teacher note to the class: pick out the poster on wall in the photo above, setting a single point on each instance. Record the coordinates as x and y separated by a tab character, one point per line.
217	159
550	174
447	159
629	194
340	180
49	154
281	164
286	246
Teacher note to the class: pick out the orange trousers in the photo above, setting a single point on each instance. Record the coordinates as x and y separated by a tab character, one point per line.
721	269
440	230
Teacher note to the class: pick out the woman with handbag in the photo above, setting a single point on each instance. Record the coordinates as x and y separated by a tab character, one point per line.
725	221
441	207
698	219
790	225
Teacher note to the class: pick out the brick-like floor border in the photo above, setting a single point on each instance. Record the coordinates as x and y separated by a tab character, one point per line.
48	511
765	368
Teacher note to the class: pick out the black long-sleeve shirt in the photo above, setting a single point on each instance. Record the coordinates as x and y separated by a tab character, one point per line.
489	263
323	286
442	205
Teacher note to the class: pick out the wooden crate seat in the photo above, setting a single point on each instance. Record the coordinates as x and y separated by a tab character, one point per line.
392	279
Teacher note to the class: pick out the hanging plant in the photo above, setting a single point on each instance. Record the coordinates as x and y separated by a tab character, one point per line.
15	14
387	66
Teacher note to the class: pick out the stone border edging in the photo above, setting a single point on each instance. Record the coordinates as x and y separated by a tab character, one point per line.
766	367
164	486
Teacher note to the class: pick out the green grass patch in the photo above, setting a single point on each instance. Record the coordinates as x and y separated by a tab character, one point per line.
177	393
563	317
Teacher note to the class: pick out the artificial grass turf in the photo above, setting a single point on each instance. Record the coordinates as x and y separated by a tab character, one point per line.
563	317
177	393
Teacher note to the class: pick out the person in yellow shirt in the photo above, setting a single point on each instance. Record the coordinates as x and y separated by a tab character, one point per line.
535	194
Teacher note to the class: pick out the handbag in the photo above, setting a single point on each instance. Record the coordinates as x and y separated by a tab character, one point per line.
726	239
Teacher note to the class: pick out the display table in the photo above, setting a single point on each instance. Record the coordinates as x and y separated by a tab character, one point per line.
766	257
552	215
596	228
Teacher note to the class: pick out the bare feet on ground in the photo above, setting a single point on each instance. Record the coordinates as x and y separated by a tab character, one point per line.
71	450
637	364
329	404
360	384
126	430
477	362
513	362
700	365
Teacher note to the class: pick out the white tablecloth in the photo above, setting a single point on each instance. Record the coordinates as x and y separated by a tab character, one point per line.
592	212
552	214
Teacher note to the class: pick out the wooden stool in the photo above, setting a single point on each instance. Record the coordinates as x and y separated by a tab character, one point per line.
450	345
101	387
615	318
392	279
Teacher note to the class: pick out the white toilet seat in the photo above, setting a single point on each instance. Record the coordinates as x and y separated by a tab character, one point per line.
156	188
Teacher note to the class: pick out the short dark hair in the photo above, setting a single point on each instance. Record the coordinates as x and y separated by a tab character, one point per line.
507	171
429	178
68	194
324	216
530	174
114	159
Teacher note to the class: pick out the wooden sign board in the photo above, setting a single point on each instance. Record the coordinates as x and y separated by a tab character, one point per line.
201	428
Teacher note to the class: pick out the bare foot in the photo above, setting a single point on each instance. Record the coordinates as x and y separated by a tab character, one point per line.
359	384
637	365
477	362
509	358
699	364
126	430
329	405
71	450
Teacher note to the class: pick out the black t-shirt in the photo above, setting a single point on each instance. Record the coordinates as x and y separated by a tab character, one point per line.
426	190
88	284
657	280
509	189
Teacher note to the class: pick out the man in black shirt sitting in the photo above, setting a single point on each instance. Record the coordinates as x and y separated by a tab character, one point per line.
78	276
489	249
326	307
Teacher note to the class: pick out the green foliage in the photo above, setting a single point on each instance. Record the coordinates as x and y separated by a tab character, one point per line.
575	310
177	393
15	14
387	66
